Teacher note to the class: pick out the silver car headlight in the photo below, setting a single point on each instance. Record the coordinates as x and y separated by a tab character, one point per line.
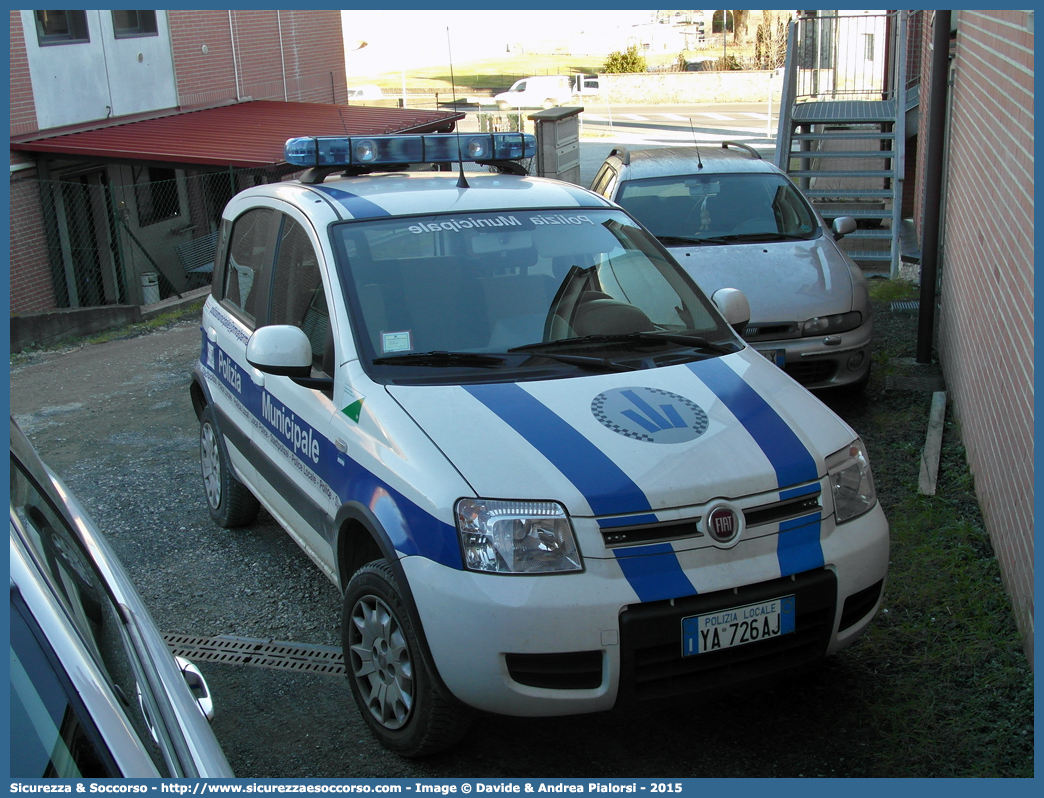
516	537
825	325
851	482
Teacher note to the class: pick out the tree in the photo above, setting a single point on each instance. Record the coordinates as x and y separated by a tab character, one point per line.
770	41
631	60
739	26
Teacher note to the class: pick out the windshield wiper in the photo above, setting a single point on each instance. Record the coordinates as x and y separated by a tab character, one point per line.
773	236
668	240
694	341
584	362
441	358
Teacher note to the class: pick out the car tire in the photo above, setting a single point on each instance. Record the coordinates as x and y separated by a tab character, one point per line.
230	502
401	703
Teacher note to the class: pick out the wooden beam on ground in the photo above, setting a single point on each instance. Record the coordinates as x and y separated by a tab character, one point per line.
932	445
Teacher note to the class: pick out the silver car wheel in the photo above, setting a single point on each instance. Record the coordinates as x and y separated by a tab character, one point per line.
210	459
380	662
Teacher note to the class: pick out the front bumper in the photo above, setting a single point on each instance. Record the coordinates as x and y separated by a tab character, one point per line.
825	361
575	643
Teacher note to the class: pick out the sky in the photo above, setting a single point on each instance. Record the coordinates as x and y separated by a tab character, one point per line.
419	38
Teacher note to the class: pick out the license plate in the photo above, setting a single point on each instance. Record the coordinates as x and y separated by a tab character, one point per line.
777	356
737	626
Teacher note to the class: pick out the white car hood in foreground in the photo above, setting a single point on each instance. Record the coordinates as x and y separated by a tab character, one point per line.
783	280
632	442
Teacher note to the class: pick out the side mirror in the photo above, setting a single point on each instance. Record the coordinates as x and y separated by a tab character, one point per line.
842	226
733	305
281	349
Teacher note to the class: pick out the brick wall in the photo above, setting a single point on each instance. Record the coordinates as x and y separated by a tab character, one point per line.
31	284
312	55
986	322
23	108
202	77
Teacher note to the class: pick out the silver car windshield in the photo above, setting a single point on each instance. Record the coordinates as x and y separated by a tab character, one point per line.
492	282
719	206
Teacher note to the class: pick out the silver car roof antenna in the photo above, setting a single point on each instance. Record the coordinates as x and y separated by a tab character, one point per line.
462	182
699	161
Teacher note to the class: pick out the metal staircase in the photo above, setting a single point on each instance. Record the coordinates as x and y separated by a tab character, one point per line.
842	127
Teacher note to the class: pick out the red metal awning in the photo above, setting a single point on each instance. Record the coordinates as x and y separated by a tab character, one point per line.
248	134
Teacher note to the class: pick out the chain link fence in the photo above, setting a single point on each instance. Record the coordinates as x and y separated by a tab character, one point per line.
124	235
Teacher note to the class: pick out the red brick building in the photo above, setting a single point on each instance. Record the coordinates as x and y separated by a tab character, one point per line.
986	273
131	129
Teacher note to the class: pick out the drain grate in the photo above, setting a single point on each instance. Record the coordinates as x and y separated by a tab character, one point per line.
906	306
274	654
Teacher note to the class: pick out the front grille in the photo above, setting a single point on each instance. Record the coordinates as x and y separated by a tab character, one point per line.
859	604
690	528
812	371
651	533
782	511
573	670
771	332
650	640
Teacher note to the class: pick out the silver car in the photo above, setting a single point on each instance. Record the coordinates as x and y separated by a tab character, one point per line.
95	692
734	220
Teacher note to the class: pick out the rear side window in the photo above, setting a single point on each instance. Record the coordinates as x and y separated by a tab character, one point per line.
249	251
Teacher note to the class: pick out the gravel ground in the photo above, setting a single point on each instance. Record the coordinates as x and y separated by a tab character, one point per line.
114	419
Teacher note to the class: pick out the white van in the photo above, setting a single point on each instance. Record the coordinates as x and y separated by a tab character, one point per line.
542	91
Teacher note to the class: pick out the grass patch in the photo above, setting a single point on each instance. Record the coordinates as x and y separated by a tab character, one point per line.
495	74
893	290
959	695
939	685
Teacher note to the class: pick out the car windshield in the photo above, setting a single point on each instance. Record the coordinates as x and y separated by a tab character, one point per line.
545	290
720	208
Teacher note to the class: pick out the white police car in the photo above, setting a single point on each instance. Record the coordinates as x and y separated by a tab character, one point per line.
543	467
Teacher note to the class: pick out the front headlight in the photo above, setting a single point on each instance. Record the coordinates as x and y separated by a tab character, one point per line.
851	482
825	325
516	537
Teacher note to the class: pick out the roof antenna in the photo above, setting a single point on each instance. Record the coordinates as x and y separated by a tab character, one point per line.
344	124
696	144
462	182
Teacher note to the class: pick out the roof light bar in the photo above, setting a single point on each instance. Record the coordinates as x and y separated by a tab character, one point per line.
319	151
